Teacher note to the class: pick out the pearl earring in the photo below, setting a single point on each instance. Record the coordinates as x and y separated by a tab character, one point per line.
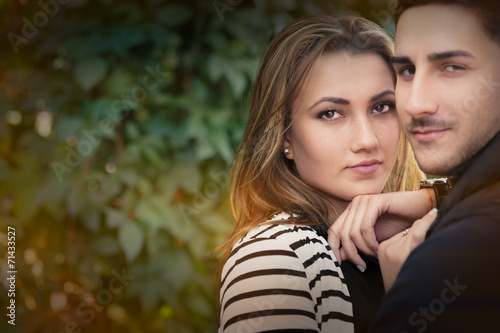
286	151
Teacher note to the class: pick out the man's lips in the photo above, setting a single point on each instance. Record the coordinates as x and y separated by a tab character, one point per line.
425	135
365	167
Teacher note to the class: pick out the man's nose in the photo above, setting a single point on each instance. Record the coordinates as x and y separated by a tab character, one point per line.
415	98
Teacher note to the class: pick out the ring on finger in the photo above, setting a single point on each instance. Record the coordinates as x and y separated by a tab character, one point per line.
405	232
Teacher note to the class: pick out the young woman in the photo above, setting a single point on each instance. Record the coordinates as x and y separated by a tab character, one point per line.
322	129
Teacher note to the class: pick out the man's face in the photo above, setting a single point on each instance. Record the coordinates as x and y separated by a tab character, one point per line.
448	86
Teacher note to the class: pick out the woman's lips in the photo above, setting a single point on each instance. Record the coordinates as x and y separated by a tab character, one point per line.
365	167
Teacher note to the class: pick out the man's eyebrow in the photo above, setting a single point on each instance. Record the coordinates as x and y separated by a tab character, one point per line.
434	56
448	54
382	94
336	100
400	60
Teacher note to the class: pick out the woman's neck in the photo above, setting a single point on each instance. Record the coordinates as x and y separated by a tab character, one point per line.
336	208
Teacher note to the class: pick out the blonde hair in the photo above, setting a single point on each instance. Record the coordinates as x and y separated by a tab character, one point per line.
263	181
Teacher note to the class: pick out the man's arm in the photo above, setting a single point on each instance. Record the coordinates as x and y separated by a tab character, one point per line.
448	284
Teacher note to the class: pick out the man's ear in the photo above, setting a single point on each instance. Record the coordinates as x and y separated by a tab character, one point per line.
287	148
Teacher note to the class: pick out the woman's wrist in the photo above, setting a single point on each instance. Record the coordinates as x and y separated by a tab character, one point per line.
431	197
439	187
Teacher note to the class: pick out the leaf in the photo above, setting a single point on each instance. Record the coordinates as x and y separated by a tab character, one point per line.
232	69
128	199
151	294
128	176
105	245
198	244
238	82
67	127
215	67
184	271
174	15
220	140
52	191
97	110
111	187
144	186
152	155
146	213
204	150
132	131
179	135
131	240
91	219
115	218
285	5
197	303
187	176
76	3
89	72
155	242
77	48
151	285
119	82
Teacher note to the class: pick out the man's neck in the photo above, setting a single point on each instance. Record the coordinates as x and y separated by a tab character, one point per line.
458	171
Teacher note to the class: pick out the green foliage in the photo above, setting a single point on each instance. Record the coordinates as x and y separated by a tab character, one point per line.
118	123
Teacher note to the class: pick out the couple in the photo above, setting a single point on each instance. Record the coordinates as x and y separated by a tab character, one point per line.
323	140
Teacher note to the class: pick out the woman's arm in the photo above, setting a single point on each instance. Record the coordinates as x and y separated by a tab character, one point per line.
264	287
370	219
394	251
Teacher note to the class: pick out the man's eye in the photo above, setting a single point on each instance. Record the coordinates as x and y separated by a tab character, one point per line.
453	68
407	71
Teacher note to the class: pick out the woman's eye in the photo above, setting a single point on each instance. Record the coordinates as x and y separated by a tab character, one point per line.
383	107
329	115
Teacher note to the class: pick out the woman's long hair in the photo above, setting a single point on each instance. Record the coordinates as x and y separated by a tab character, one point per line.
263	181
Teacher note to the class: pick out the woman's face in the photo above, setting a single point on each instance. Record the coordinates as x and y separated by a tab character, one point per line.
345	130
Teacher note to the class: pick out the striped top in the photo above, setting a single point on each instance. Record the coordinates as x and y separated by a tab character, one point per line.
284	278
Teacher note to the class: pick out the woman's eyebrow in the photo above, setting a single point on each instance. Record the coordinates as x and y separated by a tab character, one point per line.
382	94
336	100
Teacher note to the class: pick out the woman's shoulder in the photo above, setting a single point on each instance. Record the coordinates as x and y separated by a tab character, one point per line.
283	246
279	227
278	234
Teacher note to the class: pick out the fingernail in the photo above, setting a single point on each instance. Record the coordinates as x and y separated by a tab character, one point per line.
361	269
433	211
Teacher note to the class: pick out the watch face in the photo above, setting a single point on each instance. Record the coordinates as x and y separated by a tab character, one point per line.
426	183
433	182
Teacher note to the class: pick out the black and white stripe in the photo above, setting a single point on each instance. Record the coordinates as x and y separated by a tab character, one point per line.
284	278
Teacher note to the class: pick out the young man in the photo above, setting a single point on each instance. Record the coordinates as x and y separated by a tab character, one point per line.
447	60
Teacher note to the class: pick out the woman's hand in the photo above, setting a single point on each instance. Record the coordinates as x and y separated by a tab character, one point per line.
370	219
394	251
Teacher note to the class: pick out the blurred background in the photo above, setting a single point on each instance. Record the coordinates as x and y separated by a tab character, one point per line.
118	123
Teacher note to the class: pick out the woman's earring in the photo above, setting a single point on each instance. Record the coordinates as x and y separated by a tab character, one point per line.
286	151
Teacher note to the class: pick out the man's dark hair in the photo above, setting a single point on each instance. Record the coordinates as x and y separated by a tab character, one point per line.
488	10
